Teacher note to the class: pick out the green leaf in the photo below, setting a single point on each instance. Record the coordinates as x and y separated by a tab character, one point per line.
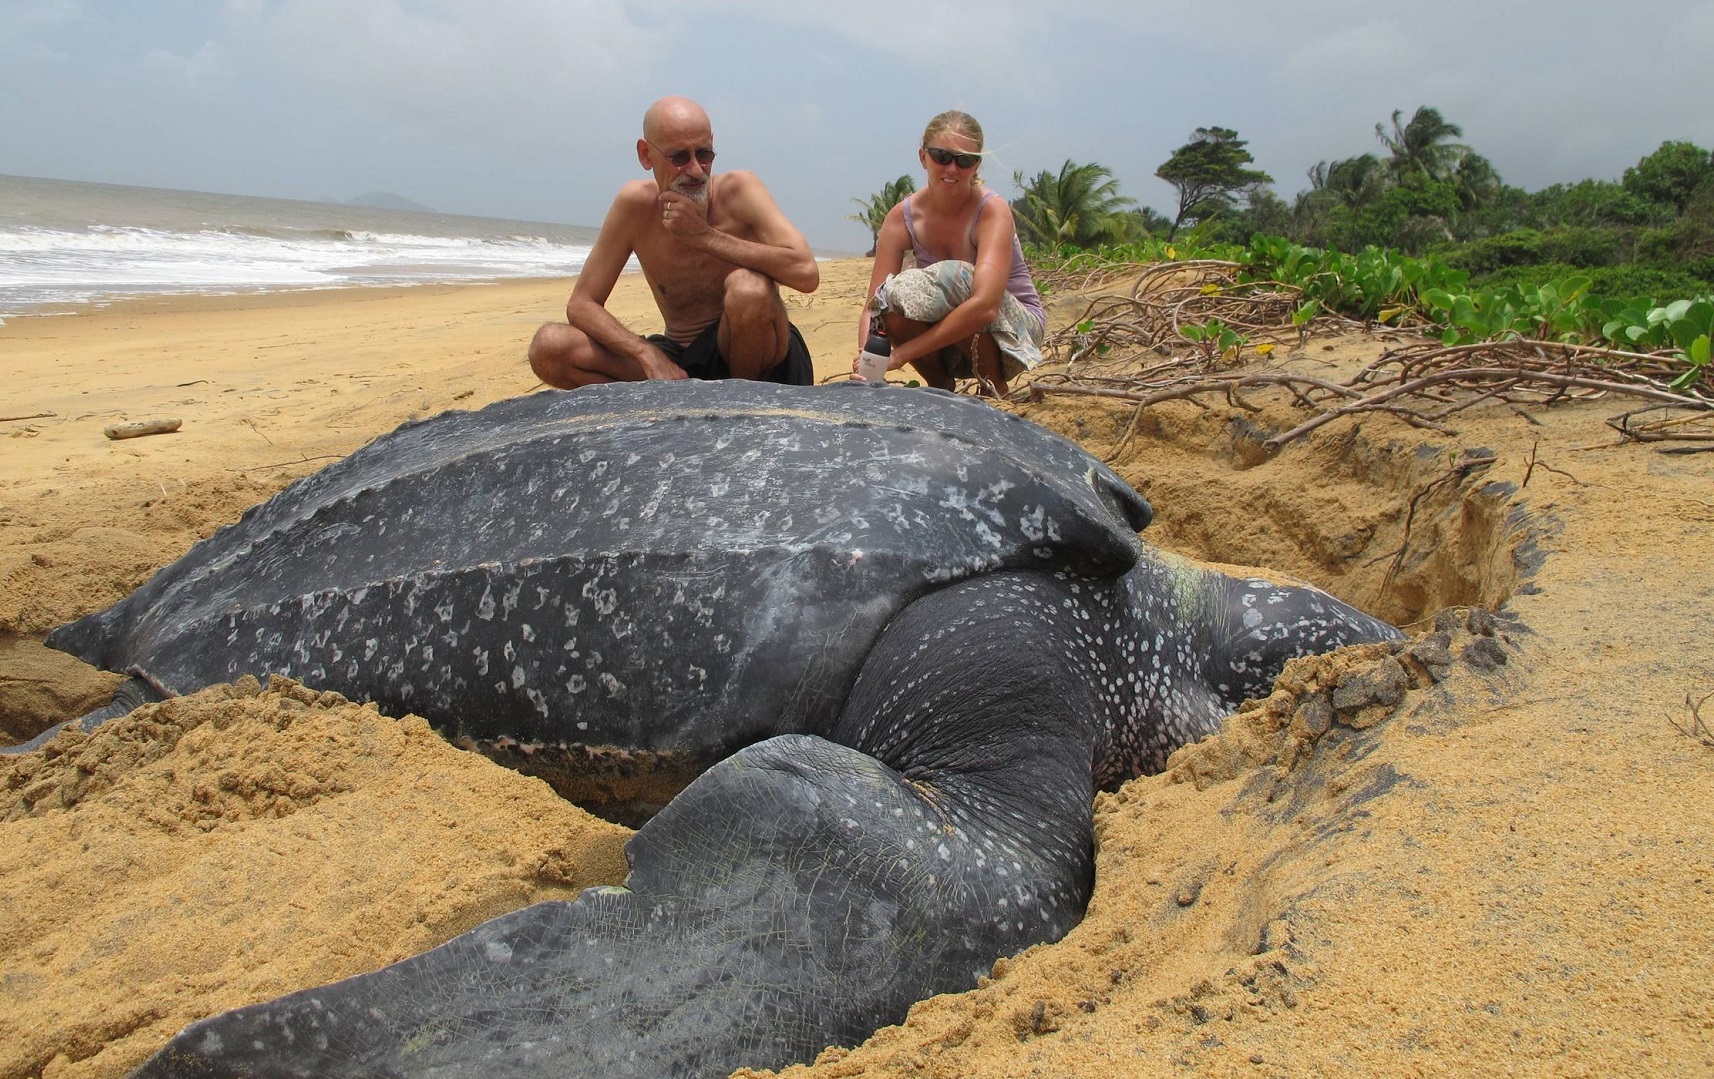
1701	316
1463	311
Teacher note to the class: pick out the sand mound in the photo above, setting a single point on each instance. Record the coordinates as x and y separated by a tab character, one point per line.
239	843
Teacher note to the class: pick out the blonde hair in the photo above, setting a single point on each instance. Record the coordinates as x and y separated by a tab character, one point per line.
955	122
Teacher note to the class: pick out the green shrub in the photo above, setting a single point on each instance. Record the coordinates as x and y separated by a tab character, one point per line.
1520	247
1587	247
1583	247
1702	269
1628	282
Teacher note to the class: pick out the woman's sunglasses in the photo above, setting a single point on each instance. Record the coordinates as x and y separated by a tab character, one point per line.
704	156
942	156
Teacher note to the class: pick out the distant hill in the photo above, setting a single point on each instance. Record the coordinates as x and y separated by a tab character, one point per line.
386	200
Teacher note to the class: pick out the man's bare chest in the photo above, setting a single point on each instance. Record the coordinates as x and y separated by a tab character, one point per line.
682	276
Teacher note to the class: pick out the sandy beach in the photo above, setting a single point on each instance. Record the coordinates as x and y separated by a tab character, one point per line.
1507	872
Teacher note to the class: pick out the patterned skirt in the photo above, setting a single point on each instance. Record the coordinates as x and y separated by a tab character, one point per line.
929	293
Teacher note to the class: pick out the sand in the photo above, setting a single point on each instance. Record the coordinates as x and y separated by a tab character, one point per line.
1506	870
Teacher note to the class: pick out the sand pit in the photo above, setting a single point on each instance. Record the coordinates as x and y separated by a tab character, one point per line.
1505	870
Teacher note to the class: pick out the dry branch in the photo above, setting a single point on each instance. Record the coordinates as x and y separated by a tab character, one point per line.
289	464
1697	728
1673	428
1133	348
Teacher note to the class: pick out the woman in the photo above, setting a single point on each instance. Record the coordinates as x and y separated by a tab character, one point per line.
969	308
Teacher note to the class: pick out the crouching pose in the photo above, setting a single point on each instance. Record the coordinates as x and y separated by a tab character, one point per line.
715	250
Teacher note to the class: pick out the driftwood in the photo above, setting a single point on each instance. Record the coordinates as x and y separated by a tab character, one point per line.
139	428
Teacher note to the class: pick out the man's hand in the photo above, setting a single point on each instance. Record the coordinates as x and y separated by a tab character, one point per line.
656	365
682	216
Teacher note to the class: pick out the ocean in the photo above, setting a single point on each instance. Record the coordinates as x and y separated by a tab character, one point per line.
65	243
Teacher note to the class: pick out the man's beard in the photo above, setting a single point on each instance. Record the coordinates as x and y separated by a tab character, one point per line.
690	189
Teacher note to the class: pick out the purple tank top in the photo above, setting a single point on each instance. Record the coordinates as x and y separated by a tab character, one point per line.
1018	283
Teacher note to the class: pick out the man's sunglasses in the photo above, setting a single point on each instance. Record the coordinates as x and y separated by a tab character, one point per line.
942	156
704	156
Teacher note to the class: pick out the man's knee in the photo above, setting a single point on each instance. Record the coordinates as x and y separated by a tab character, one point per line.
551	354
751	295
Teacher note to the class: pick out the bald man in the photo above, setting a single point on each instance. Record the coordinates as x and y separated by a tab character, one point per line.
715	250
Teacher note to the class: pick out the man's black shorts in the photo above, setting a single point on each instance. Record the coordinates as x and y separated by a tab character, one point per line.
702	359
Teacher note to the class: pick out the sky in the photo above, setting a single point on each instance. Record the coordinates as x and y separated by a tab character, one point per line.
530	109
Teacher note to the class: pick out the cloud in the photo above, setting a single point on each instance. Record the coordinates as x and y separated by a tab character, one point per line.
21	27
28	16
536	66
992	42
205	69
1347	58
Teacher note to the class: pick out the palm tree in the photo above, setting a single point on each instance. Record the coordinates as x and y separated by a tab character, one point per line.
1147	221
1354	182
874	209
1079	207
1477	182
1424	145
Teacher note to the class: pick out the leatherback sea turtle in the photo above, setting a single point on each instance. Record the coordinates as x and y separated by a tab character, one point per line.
914	633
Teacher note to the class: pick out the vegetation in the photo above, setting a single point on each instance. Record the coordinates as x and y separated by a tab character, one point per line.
1671	176
1208	172
1381	286
1423	147
874	209
1080	206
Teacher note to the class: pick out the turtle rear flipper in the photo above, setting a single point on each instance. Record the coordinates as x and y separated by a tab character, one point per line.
132	694
796	895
